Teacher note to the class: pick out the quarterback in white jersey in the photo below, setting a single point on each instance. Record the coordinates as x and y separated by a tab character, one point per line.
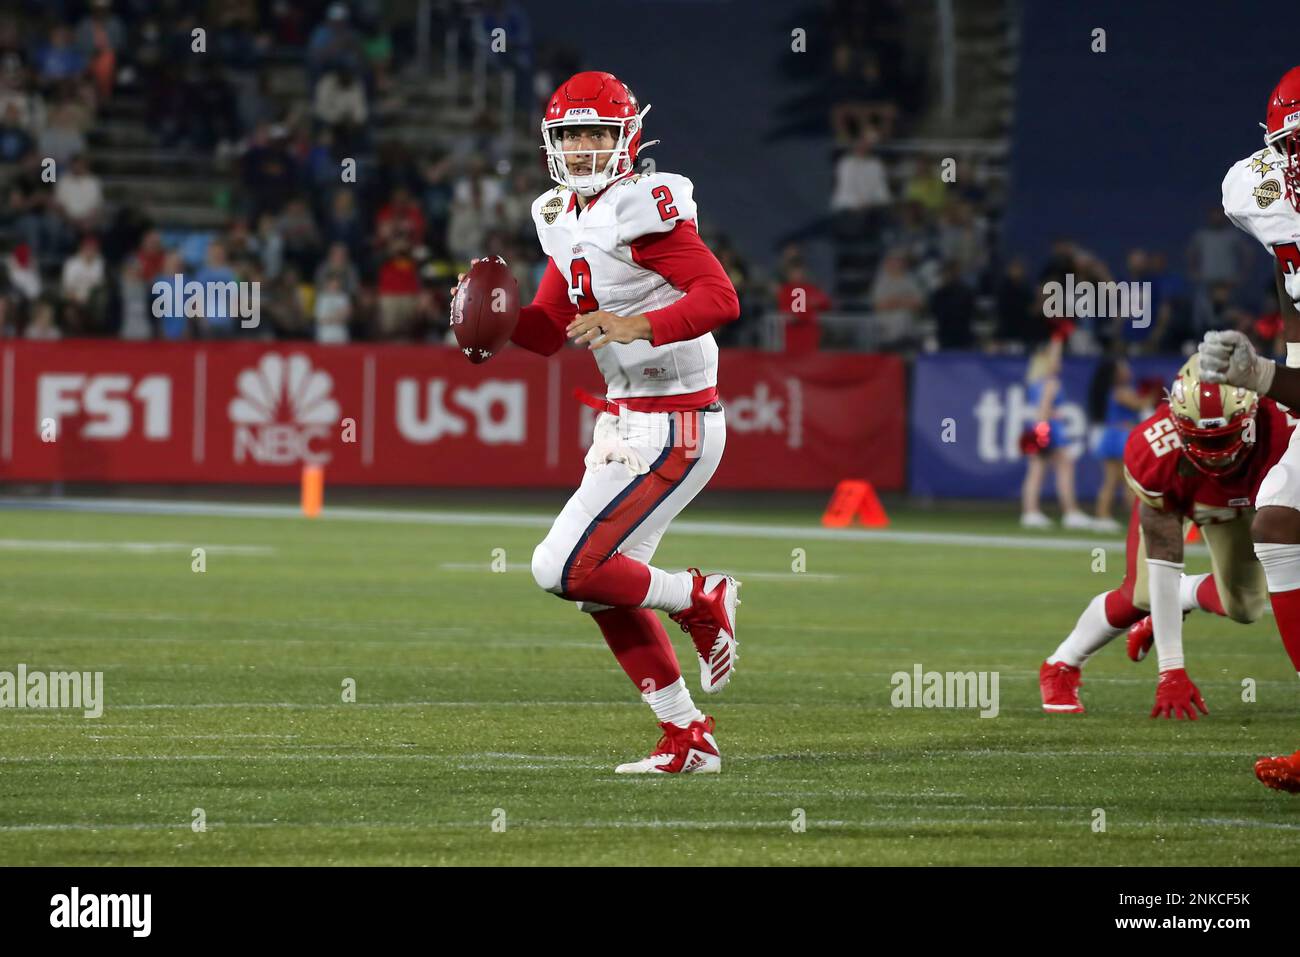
630	278
1261	195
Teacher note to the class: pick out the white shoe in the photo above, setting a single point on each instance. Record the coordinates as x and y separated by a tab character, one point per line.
688	750
1035	520
1078	521
1105	525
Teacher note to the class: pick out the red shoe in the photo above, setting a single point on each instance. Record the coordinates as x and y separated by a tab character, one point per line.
1140	639
1282	773
1175	695
1059	684
688	750
711	623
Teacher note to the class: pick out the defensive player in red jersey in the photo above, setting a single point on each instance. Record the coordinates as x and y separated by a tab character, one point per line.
629	278
1199	458
1269	210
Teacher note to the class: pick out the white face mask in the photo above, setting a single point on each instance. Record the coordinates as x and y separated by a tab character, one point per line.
617	165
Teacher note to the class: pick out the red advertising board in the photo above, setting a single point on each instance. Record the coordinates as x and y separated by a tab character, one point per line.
90	410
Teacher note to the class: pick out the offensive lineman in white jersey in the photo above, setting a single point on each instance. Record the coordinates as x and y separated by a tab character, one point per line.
630	278
1261	195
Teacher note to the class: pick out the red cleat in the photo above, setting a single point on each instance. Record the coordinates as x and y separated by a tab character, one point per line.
711	623
1282	773
1140	639
688	750
1059	684
1175	696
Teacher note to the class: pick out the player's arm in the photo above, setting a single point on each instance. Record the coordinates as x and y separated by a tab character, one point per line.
1285	305
682	258
1230	357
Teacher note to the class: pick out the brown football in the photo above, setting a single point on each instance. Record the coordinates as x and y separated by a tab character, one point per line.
485	310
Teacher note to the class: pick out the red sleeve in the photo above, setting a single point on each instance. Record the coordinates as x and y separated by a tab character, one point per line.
681	257
542	323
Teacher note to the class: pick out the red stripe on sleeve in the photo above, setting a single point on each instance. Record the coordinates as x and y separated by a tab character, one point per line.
542	323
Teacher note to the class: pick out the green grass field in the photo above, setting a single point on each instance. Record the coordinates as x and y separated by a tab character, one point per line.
477	692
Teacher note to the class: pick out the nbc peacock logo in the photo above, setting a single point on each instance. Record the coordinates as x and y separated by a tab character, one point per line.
283	407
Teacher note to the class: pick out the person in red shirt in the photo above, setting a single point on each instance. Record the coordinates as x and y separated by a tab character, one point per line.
801	302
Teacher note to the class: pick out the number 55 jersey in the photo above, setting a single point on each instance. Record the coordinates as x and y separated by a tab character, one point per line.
1165	479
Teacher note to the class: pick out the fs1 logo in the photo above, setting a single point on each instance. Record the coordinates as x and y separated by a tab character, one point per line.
105	404
283	407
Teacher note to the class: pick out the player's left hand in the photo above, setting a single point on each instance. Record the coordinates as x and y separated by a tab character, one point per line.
600	328
1176	695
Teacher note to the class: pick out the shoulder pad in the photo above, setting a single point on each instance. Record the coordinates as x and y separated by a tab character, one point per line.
651	204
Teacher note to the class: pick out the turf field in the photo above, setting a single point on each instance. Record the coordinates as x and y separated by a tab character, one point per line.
482	701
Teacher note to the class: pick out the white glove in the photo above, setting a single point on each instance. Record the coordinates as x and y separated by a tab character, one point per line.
607	446
1229	357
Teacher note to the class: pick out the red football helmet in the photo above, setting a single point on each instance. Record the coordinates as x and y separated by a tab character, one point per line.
593	99
1282	131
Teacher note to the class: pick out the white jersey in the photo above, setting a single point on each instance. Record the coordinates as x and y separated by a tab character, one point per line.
593	252
1254	198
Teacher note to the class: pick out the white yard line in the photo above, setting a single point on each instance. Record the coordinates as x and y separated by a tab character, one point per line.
56	545
532	520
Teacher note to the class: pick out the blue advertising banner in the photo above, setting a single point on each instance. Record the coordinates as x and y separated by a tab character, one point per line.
969	411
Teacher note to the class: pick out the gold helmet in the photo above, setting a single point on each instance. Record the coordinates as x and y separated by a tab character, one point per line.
1215	423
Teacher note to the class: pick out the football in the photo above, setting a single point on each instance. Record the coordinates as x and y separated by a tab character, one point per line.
485	310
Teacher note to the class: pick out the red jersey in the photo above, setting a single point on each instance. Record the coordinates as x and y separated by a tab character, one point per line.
1162	477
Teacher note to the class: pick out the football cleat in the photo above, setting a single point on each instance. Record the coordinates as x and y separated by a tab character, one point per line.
688	750
1175	696
1059	684
711	623
1281	772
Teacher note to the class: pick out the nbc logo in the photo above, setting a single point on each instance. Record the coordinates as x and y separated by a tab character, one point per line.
283	406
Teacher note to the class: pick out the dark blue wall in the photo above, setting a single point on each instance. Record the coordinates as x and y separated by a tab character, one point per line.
1128	147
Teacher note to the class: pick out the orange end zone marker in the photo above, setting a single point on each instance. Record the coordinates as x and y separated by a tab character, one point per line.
313	490
1193	534
854	498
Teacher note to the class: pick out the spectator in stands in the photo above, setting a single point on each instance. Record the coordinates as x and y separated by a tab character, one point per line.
302	242
169	310
896	303
217	322
337	265
28	103
343	224
58	59
859	100
861	182
961	240
22	275
83	288
953	307
801	303
399	291
435	199
1218	255
340	100
468	225
1019	322
334	45
333	312
282	306
400	218
100	37
136	301
42	325
79	195
270	245
268	171
15	140
62	138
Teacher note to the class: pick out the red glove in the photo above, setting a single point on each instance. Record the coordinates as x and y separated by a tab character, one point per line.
1175	695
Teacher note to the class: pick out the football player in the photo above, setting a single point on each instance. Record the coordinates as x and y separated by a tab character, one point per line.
1199	458
1261	195
629	277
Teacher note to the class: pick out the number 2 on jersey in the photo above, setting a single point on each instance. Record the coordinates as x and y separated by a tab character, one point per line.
580	290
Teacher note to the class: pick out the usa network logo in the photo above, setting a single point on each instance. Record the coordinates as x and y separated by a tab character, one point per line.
283	407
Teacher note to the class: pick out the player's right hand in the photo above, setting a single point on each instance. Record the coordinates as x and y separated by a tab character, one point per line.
1229	357
1176	695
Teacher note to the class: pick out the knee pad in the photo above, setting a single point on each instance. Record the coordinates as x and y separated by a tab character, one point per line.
548	568
1281	487
1281	565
